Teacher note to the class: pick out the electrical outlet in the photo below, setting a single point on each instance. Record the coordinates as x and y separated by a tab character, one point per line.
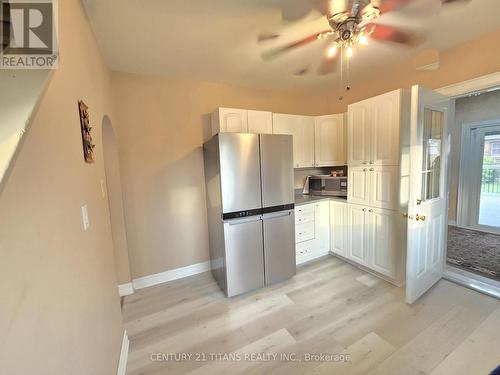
85	218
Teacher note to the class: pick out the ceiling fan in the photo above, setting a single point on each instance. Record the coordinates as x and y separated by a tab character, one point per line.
351	22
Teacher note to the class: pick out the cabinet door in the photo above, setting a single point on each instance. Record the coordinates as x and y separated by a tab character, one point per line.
357	234
357	185
302	130
329	140
338	227
358	133
385	124
260	122
383	243
383	187
230	120
322	224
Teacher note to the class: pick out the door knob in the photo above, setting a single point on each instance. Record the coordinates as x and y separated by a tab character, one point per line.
420	217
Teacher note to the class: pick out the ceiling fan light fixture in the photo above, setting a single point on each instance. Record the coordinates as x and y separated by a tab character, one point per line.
349	52
363	40
331	52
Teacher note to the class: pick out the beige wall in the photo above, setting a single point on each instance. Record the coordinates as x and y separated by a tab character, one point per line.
162	124
60	312
480	108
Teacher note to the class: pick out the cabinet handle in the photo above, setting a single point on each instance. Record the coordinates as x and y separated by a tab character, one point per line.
370	210
372	169
364	162
372	162
364	209
364	169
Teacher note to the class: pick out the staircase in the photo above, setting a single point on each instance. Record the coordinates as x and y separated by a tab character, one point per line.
5	24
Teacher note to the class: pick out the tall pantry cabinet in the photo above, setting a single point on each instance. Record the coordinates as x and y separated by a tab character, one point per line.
375	224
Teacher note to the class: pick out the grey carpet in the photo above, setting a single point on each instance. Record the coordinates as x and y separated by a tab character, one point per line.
474	251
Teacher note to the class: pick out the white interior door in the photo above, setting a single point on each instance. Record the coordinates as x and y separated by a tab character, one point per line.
428	201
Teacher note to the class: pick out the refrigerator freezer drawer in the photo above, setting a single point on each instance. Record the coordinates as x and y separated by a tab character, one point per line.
279	246
244	255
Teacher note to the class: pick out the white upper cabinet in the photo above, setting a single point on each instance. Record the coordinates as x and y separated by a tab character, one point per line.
376	186
260	122
385	126
383	187
229	120
373	130
329	140
358	133
232	120
302	130
338	227
358	185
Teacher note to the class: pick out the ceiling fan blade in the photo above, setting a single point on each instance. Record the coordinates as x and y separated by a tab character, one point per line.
262	37
328	66
391	34
446	2
269	55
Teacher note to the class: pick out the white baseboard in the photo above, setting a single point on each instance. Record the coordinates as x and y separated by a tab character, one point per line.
163	277
122	363
125	289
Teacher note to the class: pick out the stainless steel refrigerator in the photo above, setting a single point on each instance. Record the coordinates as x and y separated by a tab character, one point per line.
250	208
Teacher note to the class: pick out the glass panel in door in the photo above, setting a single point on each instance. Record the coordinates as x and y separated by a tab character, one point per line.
489	208
431	154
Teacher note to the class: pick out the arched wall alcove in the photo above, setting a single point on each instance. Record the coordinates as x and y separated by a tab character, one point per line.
115	200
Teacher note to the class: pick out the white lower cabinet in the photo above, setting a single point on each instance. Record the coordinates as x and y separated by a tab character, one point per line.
384	241
357	231
312	230
369	236
338	227
375	239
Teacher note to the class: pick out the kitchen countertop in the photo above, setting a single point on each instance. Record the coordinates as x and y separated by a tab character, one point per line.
301	199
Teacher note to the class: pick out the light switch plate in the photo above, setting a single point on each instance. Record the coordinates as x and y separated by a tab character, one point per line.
85	218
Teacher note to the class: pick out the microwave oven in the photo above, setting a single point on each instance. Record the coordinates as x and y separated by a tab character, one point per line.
326	185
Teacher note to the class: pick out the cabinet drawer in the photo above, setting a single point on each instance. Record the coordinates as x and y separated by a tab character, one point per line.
304	214
305	249
304	232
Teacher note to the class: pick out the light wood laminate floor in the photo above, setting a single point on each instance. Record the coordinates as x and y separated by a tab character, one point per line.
329	307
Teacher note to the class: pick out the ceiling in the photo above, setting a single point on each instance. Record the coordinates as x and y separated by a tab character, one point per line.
216	40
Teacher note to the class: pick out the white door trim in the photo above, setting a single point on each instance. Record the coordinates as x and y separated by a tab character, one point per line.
466	170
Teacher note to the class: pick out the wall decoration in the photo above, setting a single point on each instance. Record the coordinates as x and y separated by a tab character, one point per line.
88	146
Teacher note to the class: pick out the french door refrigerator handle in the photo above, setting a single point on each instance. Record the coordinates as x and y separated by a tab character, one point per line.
273	215
243	220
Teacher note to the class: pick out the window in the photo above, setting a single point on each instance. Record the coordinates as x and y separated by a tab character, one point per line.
431	162
495	149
